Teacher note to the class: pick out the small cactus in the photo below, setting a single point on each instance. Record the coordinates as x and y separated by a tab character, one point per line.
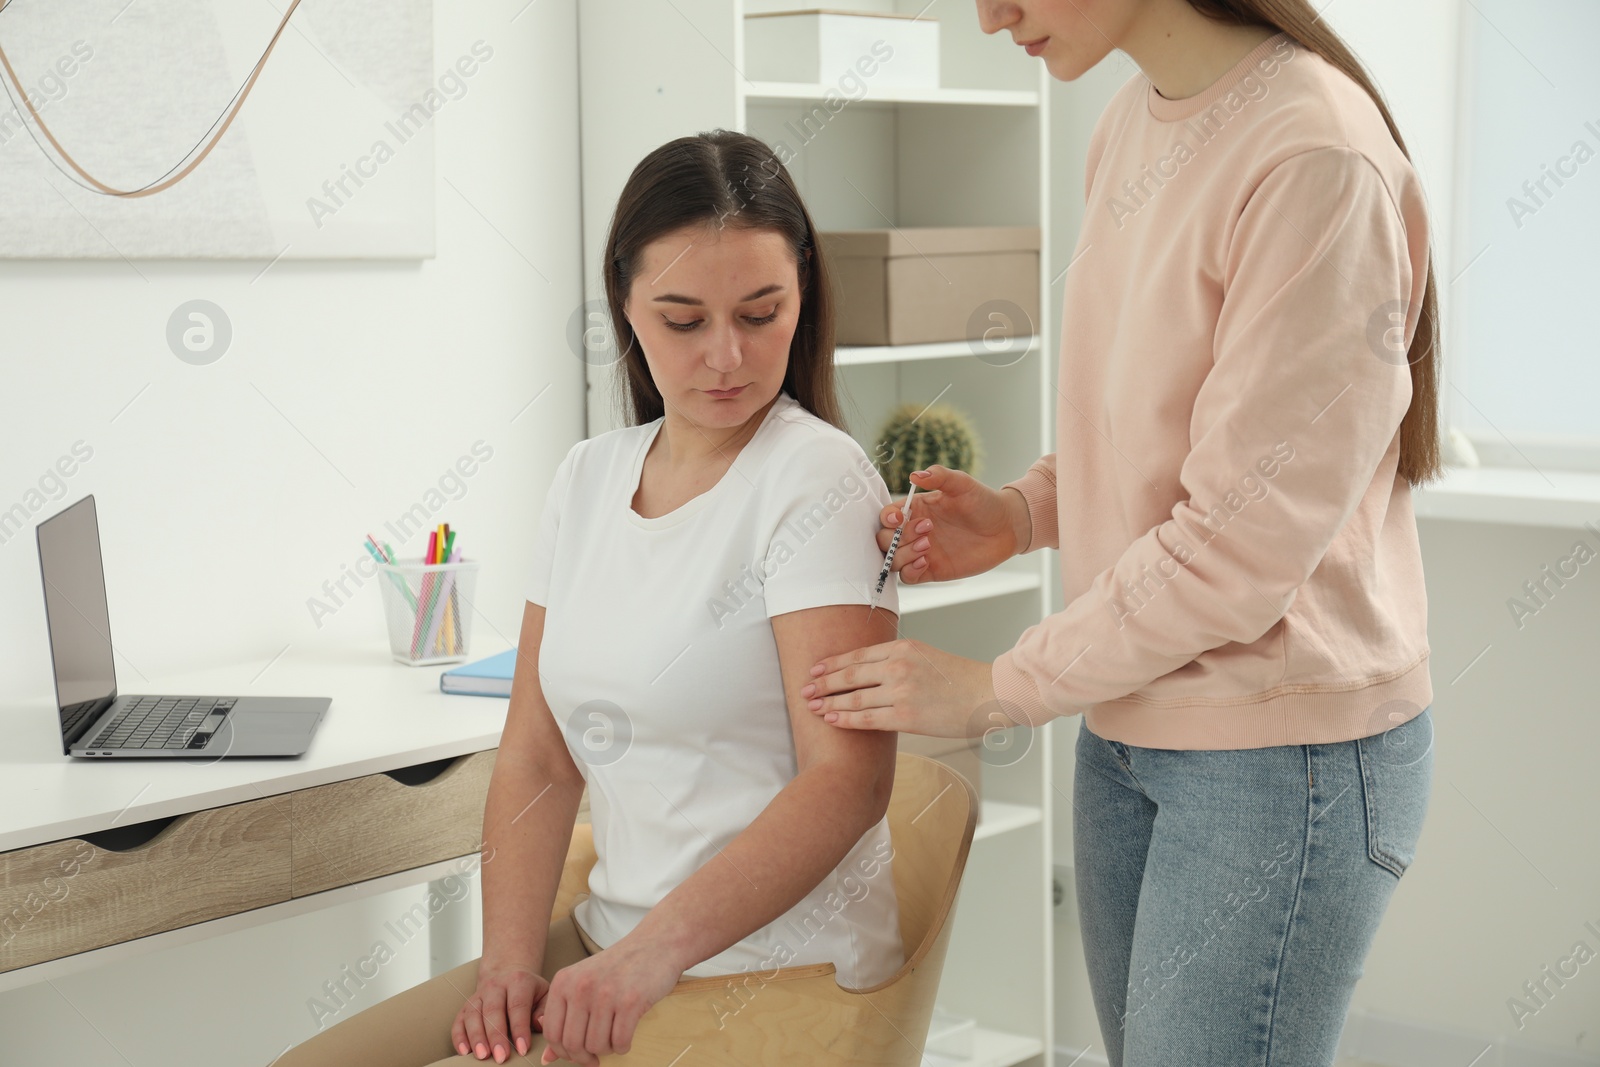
912	439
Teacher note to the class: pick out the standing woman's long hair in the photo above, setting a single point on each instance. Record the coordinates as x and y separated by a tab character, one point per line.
1419	430
720	179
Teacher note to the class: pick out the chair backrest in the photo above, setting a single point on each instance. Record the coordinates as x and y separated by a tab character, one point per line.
729	1022
933	813
581	858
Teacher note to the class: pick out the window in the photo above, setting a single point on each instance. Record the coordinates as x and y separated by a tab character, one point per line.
1524	343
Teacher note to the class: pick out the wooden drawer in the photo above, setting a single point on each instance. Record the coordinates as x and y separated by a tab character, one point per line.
114	885
350	831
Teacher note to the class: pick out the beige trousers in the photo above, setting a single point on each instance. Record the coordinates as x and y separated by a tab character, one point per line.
412	1029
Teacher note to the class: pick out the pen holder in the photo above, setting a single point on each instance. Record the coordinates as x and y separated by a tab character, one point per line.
429	610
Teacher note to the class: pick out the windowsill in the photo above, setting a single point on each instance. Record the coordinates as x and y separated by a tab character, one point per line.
1519	496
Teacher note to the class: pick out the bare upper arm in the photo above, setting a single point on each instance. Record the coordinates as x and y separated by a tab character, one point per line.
809	635
530	731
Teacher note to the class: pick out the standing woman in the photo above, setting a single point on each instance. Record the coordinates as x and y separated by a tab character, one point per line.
1248	393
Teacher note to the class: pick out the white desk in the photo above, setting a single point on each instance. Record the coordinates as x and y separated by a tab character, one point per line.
384	716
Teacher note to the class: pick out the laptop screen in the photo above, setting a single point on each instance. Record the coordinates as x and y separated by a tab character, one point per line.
75	608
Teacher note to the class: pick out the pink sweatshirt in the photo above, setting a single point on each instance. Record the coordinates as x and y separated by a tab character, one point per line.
1238	555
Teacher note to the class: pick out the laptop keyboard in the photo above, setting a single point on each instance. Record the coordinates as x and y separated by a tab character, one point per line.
159	722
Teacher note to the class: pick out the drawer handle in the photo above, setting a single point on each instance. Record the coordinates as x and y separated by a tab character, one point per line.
422	773
128	838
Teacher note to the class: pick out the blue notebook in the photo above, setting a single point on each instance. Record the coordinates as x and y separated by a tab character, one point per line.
489	677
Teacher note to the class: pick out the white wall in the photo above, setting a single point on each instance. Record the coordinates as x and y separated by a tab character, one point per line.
229	493
1507	870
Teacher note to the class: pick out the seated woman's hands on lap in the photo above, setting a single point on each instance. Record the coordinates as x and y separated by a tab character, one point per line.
497	1013
594	1005
585	1010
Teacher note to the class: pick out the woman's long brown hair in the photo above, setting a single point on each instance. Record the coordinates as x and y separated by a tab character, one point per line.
720	179
1419	430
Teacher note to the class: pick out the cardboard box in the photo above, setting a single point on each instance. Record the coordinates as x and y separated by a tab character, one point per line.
852	51
960	754
921	285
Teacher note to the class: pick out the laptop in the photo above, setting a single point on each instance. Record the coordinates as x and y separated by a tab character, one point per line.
98	721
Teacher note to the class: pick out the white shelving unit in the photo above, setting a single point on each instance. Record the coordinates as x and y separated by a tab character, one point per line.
992	1048
860	355
973	152
897	94
999	582
998	817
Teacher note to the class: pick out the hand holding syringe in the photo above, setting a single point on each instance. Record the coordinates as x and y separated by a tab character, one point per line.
894	543
963	528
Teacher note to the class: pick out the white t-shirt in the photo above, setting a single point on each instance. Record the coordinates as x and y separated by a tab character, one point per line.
660	666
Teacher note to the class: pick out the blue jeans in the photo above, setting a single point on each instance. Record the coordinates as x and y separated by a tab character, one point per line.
1227	898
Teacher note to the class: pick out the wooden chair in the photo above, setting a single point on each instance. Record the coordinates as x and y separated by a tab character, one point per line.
801	1015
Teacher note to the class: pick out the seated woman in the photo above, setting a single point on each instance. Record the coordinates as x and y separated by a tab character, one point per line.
688	571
